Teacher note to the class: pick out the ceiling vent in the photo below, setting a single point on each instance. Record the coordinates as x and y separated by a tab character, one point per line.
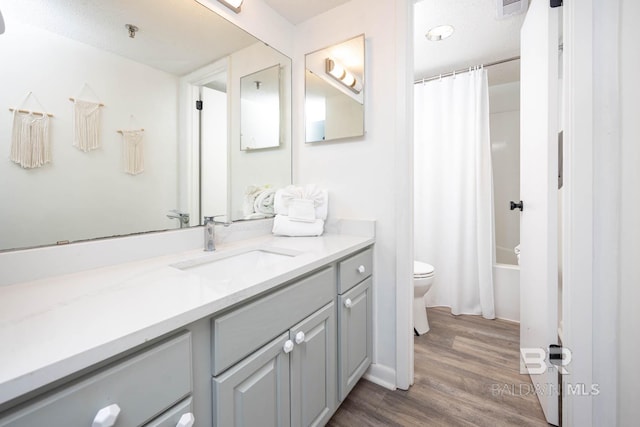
506	8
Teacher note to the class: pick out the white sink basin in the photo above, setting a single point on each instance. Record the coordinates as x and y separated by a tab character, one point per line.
234	265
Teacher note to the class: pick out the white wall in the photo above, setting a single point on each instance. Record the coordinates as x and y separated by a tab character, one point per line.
83	195
362	173
629	296
504	118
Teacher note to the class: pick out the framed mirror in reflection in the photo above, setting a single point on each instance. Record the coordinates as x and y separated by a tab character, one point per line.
260	109
56	49
334	91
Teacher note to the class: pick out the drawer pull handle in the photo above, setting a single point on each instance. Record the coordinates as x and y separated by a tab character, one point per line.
348	303
300	337
106	417
361	269
288	346
186	420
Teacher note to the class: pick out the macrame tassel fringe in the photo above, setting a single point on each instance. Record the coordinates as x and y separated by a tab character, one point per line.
30	146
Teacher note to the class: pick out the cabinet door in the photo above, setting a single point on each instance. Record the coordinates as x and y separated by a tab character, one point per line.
355	337
313	369
255	392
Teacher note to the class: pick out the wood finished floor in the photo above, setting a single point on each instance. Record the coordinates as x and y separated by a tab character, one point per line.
466	374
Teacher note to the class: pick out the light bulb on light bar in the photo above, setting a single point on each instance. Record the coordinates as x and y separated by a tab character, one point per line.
340	73
232	4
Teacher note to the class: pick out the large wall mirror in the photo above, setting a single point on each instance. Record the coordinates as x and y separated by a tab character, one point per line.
147	62
334	91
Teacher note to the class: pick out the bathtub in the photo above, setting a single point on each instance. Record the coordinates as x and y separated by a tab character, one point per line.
506	291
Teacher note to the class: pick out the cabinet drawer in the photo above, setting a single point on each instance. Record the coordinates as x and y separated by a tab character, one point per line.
143	386
172	416
241	331
355	269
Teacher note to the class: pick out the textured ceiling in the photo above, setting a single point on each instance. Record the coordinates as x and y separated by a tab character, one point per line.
177	36
479	38
297	11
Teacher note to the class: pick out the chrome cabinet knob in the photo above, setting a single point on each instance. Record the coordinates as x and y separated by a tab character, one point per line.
300	337
361	269
348	303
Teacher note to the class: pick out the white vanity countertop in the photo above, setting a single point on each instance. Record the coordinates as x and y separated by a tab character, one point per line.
53	327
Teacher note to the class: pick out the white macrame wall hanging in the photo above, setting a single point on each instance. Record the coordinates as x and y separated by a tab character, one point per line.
30	145
133	151
86	123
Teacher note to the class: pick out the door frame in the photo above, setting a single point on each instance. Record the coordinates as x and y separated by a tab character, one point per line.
592	167
189	147
404	371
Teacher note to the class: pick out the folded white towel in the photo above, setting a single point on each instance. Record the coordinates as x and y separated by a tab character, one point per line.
250	194
284	226
263	203
319	197
302	210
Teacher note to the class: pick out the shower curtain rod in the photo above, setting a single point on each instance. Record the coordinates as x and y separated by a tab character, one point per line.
464	70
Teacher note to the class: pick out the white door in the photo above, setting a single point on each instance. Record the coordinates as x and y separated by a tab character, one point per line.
538	190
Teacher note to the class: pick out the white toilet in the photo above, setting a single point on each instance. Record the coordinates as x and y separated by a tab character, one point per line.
422	281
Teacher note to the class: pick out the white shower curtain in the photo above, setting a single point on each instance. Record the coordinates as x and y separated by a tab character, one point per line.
454	226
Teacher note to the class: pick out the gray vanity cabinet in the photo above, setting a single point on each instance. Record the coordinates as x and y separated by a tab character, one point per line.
355	343
284	358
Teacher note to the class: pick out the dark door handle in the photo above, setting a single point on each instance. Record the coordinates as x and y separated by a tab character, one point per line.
513	205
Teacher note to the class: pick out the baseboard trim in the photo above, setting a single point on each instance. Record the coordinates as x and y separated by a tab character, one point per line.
381	375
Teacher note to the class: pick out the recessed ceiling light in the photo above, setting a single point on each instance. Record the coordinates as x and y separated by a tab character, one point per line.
440	32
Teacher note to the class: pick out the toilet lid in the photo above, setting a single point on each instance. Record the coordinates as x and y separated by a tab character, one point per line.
422	269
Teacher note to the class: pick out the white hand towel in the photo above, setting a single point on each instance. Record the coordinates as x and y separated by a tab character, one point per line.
284	226
320	198
302	210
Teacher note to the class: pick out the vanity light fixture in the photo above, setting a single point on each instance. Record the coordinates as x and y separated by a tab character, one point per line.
439	33
232	4
341	74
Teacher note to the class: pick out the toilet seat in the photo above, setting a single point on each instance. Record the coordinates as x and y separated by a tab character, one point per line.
422	270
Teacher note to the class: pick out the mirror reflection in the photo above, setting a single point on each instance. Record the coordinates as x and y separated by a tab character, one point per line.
260	109
334	91
146	79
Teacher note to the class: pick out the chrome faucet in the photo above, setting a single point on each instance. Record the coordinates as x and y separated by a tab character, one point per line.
182	217
210	232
